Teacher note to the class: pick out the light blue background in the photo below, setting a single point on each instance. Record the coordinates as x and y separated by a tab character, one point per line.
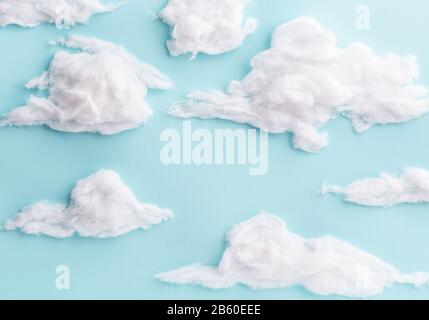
37	163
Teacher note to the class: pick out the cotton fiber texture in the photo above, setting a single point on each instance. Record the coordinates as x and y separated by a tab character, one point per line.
304	80
62	13
101	89
262	254
206	26
101	206
387	190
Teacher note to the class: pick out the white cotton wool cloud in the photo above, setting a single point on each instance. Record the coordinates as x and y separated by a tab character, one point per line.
304	80
206	26
387	190
62	13
262	254
100	89
101	206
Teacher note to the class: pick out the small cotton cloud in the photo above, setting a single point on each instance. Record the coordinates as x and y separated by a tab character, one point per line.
387	190
211	27
100	89
62	13
101	206
305	80
262	254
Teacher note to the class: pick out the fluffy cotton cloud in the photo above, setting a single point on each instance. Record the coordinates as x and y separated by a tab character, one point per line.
62	13
262	253
387	190
207	26
304	80
101	206
100	89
